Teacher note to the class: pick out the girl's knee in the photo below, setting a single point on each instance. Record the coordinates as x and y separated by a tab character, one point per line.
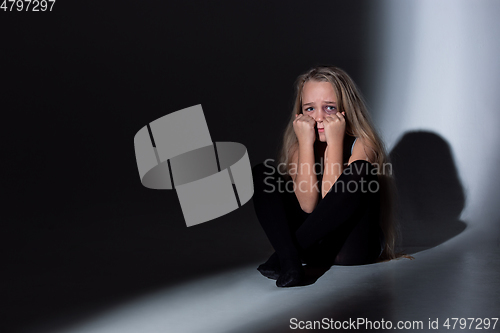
258	173
264	176
263	170
360	168
258	169
360	175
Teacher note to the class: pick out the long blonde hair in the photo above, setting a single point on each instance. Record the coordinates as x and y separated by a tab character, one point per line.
358	124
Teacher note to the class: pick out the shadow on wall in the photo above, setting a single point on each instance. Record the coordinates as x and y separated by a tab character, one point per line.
431	196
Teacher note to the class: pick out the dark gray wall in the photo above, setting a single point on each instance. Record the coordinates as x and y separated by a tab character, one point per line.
77	83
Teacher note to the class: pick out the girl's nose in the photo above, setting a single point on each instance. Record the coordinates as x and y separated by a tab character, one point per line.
318	116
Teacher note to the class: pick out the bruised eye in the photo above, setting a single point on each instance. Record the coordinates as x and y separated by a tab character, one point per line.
330	108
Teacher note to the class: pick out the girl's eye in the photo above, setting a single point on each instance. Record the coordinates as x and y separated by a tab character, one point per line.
309	108
330	108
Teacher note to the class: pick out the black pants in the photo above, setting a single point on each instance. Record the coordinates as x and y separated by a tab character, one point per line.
343	229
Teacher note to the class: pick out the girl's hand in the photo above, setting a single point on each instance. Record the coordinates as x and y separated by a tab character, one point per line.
334	128
303	125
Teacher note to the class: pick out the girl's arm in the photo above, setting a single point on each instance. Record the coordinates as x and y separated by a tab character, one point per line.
333	165
334	131
304	177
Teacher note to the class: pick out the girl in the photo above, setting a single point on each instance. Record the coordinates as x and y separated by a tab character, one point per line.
322	201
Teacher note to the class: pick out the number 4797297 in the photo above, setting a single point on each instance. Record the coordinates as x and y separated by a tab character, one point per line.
27	5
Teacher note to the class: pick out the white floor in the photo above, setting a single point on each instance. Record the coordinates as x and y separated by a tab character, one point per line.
457	279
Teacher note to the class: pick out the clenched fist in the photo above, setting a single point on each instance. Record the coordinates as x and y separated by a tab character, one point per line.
334	127
303	125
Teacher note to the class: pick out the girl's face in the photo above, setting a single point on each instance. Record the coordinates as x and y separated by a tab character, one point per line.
318	101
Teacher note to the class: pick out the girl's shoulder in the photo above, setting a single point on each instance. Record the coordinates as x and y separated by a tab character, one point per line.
363	149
